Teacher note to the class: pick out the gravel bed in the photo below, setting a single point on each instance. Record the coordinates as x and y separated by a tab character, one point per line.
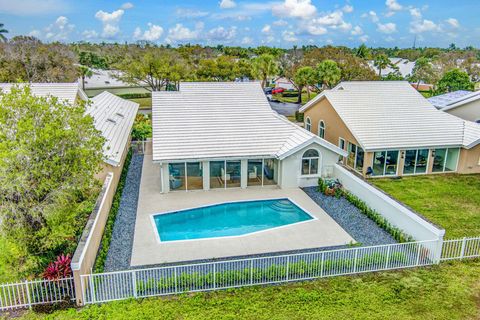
120	251
351	219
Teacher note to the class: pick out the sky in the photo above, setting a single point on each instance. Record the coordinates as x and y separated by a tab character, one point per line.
280	23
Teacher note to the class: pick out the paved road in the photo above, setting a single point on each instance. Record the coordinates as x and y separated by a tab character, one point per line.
285	109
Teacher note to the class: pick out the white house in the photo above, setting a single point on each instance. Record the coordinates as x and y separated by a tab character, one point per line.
225	135
405	67
461	103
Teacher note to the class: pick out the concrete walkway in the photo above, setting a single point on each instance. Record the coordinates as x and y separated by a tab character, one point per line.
321	232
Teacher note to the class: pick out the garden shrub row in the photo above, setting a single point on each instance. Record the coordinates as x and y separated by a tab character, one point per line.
399	235
112	215
135	95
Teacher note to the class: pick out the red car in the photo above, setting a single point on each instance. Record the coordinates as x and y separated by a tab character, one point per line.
277	90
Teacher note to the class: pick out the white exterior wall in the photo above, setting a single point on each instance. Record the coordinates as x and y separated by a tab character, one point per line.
469	111
290	168
396	213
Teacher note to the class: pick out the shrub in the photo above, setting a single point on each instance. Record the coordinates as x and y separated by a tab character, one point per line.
59	268
299	116
142	127
135	95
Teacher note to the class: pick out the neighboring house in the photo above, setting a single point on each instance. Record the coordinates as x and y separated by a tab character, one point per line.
225	135
405	67
106	80
461	103
423	87
113	116
282	82
389	129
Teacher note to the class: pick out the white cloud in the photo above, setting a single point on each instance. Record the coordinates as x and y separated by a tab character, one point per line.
357	31
266	29
347	8
247	40
280	23
387	28
316	30
110	22
127	5
289	36
89	34
423	26
180	33
452	22
393	5
190	13
32	7
222	34
333	20
294	9
153	33
35	33
389	39
227	4
415	13
59	30
372	15
363	38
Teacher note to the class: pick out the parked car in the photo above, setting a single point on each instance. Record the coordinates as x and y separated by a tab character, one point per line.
268	90
278	90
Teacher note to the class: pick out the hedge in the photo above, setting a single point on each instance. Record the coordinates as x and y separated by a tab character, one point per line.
135	95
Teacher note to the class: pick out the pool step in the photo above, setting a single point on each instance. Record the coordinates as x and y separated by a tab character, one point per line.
283	206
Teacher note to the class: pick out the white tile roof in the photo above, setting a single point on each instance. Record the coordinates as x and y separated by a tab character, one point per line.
114	117
218	120
63	91
104	79
454	99
405	67
392	115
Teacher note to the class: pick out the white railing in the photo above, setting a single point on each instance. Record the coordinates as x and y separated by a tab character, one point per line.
254	271
29	293
460	249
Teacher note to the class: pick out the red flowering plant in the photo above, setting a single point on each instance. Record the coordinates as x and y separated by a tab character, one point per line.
59	268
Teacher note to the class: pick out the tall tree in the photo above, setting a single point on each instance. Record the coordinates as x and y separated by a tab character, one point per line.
289	62
328	73
3	31
84	72
423	71
50	154
454	80
363	52
304	78
381	61
265	66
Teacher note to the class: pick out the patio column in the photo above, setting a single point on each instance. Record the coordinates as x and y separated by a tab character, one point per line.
244	173
165	176
430	161
206	175
401	163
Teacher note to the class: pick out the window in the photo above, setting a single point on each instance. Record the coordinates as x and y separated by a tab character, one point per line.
308	124
217	174
341	145
176	176
261	172
185	176
233	174
355	157
194	176
310	161
321	129
445	160
416	161
385	163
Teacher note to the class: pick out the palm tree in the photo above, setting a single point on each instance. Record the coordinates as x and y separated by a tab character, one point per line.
2	33
381	61
304	77
328	73
265	66
84	72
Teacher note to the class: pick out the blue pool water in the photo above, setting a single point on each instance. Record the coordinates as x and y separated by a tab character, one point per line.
228	219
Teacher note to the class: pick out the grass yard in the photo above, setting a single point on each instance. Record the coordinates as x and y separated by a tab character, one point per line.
451	201
294	99
145	103
450	291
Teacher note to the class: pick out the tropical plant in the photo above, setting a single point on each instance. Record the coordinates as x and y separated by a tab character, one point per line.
381	62
423	71
454	80
84	72
328	73
58	269
3	38
265	66
305	77
363	52
142	127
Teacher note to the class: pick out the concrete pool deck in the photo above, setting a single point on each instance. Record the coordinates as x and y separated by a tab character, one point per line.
320	232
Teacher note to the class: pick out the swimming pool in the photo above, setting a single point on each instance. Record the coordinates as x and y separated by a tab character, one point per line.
228	219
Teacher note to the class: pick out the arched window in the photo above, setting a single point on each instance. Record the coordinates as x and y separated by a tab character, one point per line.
310	160
308	124
321	129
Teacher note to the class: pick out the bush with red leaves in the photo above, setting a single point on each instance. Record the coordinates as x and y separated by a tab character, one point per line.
59	269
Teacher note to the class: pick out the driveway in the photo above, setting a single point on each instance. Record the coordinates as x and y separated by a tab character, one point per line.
284	108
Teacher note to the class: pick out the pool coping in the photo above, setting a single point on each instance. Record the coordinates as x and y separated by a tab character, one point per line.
157	234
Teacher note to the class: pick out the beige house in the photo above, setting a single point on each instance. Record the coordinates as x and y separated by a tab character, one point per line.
389	129
461	103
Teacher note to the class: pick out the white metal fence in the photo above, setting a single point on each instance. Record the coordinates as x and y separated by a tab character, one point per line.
254	271
36	292
169	280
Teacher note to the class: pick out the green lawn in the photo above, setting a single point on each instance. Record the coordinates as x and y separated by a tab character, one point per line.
145	103
451	201
294	99
450	291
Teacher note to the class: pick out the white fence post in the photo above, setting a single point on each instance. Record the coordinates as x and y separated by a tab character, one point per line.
214	275
92	289
28	294
176	285
134	283
388	257
462	251
288	262
251	271
355	261
321	265
418	254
